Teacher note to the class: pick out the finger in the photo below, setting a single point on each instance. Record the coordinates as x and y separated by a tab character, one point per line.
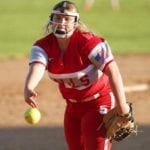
32	103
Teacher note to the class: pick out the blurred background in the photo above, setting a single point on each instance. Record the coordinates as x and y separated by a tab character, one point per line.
126	29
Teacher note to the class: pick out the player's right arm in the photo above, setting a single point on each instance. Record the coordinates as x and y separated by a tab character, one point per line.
35	74
38	63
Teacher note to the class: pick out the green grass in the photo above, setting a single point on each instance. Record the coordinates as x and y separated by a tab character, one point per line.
127	30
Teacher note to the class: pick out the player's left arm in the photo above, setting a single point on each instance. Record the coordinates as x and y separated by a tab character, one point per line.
116	82
101	56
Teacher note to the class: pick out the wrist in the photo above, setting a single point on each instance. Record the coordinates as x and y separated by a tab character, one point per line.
123	110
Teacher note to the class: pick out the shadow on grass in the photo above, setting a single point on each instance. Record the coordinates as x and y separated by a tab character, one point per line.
52	138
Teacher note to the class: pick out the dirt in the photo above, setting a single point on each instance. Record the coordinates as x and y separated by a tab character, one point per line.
16	134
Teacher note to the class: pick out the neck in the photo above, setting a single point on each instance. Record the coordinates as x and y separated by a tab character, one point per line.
63	43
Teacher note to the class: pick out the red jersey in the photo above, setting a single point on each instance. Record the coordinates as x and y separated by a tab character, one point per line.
79	72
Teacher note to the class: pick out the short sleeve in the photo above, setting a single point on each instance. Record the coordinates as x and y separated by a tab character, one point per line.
38	55
101	55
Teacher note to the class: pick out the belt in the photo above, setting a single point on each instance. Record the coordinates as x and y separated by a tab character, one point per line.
93	97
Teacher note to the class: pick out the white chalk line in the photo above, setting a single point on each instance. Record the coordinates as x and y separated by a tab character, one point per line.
136	88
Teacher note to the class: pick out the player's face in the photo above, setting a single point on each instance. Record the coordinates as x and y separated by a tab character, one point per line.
63	22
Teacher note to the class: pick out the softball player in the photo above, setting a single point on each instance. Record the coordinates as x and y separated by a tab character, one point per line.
87	75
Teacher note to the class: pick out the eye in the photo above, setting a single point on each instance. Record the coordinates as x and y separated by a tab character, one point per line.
69	18
57	18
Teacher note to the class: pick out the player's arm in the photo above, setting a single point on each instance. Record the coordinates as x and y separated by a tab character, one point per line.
38	63
35	74
117	86
101	56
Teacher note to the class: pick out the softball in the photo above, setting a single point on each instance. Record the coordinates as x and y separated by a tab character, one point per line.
32	115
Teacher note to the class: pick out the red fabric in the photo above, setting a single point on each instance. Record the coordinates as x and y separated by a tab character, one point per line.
82	123
74	59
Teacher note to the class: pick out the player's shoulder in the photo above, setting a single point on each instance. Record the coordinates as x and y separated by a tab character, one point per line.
44	40
89	39
89	36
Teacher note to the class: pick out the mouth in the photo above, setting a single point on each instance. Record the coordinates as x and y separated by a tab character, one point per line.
60	32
